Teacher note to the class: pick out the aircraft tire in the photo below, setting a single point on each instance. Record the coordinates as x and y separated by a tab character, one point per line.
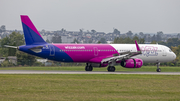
111	68
88	68
158	70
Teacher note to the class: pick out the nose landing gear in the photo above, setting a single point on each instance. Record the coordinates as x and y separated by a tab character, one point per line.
158	69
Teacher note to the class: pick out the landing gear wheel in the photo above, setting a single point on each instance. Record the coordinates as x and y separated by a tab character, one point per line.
88	68
158	70
111	68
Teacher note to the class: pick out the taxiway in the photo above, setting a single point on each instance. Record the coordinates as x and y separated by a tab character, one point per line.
82	72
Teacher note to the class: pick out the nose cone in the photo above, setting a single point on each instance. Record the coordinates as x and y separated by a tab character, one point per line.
174	56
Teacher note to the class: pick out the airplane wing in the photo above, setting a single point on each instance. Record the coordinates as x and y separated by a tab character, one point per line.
123	55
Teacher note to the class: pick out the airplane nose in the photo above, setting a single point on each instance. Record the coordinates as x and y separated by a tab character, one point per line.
174	56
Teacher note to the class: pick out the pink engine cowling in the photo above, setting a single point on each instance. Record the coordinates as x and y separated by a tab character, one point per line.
132	63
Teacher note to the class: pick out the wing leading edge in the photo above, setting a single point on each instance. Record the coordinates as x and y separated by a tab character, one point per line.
123	56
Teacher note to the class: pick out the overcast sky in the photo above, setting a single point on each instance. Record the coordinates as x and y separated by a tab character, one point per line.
149	16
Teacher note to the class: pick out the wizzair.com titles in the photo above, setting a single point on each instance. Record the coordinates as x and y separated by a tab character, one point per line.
74	47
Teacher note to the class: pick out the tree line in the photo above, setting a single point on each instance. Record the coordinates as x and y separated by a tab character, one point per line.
15	39
128	40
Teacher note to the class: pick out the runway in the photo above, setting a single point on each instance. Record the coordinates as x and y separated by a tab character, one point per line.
82	72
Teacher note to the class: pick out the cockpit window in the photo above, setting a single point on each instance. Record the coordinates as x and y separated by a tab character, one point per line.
170	51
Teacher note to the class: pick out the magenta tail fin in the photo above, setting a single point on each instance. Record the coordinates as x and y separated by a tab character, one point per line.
31	34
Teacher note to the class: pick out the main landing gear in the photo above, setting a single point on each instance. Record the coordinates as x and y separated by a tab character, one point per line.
158	69
111	68
88	67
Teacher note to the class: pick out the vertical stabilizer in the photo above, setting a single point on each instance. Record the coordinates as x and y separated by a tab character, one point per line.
31	34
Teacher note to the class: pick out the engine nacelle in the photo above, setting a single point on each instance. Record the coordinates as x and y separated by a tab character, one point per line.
132	63
98	65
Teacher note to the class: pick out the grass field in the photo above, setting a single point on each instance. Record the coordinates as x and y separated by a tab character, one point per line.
90	87
81	68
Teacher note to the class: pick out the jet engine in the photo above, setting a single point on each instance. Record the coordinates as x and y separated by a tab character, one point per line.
132	63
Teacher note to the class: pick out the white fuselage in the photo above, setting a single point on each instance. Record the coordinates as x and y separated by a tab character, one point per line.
151	53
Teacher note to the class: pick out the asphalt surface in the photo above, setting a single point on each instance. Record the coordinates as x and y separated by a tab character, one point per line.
82	72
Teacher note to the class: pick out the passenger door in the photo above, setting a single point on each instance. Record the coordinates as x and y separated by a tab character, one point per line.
52	50
95	51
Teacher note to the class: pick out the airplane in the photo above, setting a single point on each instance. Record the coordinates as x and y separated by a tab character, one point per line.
94	55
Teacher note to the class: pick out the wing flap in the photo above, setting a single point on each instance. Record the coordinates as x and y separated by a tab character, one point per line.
116	58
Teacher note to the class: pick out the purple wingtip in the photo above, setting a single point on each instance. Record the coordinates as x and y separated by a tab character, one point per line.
137	46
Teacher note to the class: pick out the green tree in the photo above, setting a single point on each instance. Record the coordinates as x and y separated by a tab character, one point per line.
103	40
178	35
3	50
159	36
25	59
116	31
135	38
153	42
14	39
93	31
154	38
116	40
176	50
129	33
141	34
141	41
81	30
3	28
127	40
75	41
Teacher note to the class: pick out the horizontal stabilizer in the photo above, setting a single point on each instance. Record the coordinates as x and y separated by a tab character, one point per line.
10	46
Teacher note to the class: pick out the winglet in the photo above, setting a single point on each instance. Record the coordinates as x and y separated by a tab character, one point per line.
137	46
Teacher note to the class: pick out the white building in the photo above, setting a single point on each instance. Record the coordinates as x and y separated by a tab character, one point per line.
48	37
67	39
